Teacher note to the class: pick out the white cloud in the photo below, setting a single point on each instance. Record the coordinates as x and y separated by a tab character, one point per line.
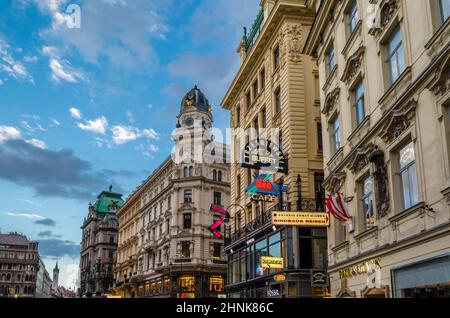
37	143
123	134
8	133
75	113
30	59
30	216
147	151
11	66
61	68
130	117
55	122
98	125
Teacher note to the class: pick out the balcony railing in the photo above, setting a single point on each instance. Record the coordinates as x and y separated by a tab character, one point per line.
251	38
306	205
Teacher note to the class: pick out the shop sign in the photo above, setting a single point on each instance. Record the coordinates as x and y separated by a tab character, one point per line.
318	277
263	154
112	296
186	295
306	219
360	268
280	278
272	262
263	189
273	293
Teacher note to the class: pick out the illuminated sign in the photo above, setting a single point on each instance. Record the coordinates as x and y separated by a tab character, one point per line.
224	219
262	153
306	219
272	262
280	278
263	189
359	268
113	296
318	277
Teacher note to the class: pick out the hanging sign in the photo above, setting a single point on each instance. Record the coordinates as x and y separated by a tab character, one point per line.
263	189
263	154
280	278
305	219
224	219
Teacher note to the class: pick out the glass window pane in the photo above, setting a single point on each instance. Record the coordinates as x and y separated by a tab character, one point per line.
261	244
407	155
275	238
406	190
445	9
394	41
275	250
413	185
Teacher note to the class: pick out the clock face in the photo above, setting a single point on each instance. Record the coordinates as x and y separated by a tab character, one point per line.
189	121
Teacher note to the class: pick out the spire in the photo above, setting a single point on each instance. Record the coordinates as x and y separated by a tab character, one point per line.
56	269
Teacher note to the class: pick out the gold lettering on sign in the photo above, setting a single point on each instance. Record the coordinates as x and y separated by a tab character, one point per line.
359	268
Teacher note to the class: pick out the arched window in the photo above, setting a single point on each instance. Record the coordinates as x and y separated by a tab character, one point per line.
219	176
8	277
2	290
3	277
214	175
191	171
19	277
26	278
17	290
185	172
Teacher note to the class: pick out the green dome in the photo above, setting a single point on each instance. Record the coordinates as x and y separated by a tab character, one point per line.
106	202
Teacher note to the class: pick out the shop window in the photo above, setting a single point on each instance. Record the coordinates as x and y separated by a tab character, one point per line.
216	284
408	176
186	283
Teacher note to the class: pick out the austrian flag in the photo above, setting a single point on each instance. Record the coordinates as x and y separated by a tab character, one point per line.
337	207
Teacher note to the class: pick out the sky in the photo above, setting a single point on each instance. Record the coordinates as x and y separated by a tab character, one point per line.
84	108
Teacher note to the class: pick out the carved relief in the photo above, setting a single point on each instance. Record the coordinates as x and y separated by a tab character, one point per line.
401	119
336	182
388	12
441	82
331	101
353	66
361	159
291	42
383	17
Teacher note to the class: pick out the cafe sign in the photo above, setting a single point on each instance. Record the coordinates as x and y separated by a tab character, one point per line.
305	219
360	268
280	278
263	154
272	262
264	190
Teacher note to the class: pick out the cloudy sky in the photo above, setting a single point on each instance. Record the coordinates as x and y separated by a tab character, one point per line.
81	109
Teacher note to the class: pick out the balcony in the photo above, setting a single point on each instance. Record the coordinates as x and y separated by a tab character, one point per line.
251	38
265	219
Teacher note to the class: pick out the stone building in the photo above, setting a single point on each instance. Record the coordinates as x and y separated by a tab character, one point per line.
276	88
170	214
99	245
43	282
19	266
384	71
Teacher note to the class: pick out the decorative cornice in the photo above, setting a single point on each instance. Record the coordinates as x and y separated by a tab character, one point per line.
361	158
440	84
353	65
383	16
400	120
331	100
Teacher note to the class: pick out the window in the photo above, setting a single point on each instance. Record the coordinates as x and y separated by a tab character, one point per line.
262	76
219	176
331	60
276	58
319	137
217	250
214	175
264	118
111	239
111	255
160	230
187	221
277	100
216	284
186	249
367	203
359	107
191	171
335	136
238	116
238	186
248	99
353	17
217	198
255	89
408	176
396	57
167	226
185	172
280	140
169	202
188	196
444	9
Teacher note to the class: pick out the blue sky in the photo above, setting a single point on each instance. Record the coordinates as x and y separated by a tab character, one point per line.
81	109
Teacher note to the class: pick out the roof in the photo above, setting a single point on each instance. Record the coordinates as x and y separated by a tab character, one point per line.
195	98
14	239
105	200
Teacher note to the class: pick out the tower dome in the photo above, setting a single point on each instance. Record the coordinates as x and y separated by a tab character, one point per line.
195	98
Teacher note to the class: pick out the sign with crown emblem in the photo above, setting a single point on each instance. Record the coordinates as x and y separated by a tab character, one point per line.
263	154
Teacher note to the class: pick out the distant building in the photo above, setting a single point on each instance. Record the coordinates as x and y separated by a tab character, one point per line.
19	266
43	282
99	245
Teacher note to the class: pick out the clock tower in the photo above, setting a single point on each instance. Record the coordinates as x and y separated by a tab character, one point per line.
194	123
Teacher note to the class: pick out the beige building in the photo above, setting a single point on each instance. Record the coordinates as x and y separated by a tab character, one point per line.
384	86
126	267
276	87
171	251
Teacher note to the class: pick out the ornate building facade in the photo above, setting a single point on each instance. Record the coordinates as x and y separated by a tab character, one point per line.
99	245
276	88
174	253
384	84
19	266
